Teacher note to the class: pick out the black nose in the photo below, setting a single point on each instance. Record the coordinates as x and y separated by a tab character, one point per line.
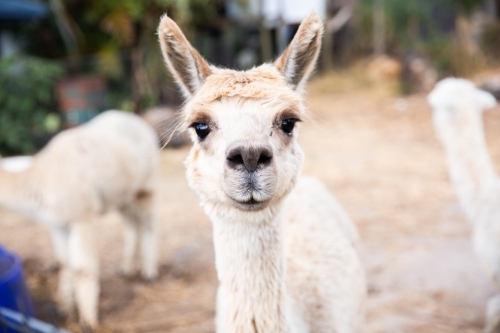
249	156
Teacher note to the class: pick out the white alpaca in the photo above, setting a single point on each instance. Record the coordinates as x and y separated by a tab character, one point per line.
285	253
109	163
458	106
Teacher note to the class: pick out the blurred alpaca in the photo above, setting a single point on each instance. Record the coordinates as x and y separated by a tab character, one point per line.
109	163
458	106
285	249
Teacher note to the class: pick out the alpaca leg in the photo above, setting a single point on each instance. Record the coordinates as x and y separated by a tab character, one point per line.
146	203
131	242
60	239
141	213
149	244
493	315
84	265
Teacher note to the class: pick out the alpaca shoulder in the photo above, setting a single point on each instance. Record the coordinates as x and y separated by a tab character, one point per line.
325	277
316	205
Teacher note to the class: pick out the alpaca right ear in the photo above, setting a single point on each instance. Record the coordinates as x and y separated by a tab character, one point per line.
186	65
299	59
486	100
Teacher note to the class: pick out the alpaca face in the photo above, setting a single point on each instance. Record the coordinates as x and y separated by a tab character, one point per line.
243	124
457	105
245	152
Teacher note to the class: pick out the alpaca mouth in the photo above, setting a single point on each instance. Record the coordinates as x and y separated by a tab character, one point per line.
248	195
251	204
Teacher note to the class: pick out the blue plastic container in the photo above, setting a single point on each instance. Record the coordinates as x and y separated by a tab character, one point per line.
13	291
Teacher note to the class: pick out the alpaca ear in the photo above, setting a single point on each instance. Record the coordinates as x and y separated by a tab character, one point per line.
186	65
485	99
299	59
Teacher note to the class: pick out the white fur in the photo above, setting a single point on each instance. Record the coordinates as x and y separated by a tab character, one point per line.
109	163
289	265
458	106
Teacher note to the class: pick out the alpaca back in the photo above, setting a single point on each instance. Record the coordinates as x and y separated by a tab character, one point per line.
325	278
99	165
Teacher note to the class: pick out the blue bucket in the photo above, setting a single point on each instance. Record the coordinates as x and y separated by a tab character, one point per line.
13	291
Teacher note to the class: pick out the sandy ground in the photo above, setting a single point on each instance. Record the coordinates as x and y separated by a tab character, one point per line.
385	166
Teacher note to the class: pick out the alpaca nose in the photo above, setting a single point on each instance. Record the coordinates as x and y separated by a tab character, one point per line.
251	157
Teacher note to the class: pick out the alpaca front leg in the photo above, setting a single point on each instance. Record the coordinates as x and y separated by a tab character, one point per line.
84	265
60	240
131	242
142	214
147	213
149	250
493	315
60	237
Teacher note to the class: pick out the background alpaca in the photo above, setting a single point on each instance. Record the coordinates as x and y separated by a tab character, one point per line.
108	163
244	163
458	107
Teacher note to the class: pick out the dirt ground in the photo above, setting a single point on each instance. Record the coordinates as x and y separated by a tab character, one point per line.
380	157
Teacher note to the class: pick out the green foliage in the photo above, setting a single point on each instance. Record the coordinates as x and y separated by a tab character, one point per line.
466	6
26	102
125	43
406	21
411	26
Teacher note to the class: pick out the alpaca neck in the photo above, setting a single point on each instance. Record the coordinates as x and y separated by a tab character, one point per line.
250	262
471	170
16	194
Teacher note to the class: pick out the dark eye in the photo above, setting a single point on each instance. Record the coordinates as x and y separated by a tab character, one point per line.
202	130
287	125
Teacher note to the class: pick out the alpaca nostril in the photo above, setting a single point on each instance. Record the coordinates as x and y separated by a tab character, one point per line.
249	157
265	156
236	159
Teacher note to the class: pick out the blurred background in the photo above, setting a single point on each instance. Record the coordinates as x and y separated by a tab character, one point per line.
370	139
63	61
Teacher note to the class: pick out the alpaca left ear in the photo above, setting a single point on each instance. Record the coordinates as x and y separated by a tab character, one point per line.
299	59
186	65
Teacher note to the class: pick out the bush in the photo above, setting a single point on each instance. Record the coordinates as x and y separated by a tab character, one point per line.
491	40
27	103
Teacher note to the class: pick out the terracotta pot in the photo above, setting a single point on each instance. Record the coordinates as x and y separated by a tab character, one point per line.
81	98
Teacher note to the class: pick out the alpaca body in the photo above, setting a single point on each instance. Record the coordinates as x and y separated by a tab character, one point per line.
83	173
478	190
107	161
302	267
458	107
325	277
284	249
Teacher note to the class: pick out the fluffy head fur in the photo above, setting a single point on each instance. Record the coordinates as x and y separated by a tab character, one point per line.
457	103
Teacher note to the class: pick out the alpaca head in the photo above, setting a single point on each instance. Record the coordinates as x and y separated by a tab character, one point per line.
457	105
243	123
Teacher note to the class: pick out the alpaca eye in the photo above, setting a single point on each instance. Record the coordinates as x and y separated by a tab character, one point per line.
202	130
287	125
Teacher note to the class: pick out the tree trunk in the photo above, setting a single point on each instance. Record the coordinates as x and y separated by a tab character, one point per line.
137	93
378	27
